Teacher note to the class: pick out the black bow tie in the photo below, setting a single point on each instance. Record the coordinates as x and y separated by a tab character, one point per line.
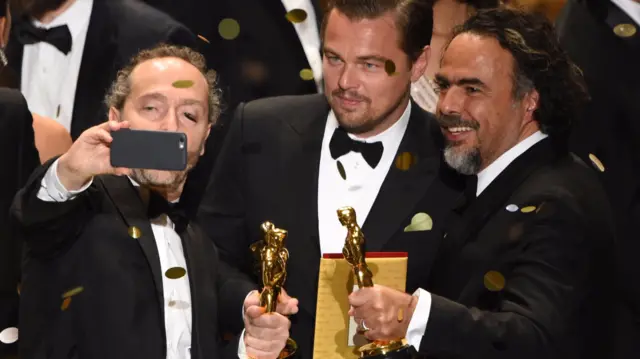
158	206
28	34
341	144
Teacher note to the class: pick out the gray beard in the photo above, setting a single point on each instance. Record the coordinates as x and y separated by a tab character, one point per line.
466	163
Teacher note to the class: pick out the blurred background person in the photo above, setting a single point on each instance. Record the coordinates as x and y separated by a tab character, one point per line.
447	14
65	53
25	141
603	38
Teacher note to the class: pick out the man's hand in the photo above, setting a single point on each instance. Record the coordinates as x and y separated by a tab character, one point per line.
266	333
89	156
386	312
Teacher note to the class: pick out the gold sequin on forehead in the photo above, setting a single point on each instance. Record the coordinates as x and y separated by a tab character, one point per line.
296	16
596	162
182	84
175	273
228	29
203	39
306	74
625	30
494	281
390	67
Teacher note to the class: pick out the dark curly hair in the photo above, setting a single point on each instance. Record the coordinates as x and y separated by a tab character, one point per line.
540	63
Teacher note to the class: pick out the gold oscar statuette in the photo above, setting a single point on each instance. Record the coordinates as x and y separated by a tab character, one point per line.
272	258
354	253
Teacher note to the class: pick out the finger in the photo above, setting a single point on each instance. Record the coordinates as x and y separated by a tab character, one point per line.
100	136
117	125
257	343
252	299
254	312
360	297
272	321
286	304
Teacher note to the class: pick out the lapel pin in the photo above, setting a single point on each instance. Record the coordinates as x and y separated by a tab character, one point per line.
420	222
624	30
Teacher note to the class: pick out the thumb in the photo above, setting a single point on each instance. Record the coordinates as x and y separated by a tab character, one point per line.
286	304
254	311
252	299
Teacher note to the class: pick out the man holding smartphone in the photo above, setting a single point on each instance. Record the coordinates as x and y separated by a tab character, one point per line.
113	269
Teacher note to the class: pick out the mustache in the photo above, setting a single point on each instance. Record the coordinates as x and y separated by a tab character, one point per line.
448	121
349	95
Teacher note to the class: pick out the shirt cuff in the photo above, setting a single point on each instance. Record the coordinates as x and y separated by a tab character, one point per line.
419	319
242	349
52	190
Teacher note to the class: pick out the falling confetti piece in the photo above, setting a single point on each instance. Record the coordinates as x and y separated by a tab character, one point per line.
175	273
400	314
72	292
135	232
58	112
390	67
203	39
9	335
624	30
65	303
182	84
228	29
296	16
494	281
306	74
596	162
512	208
528	209
19	288
343	174
405	161
539	207
179	304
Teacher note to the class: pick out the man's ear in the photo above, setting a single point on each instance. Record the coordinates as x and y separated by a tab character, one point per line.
114	114
204	142
420	65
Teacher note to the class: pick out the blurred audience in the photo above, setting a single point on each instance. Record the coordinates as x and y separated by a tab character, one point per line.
603	38
67	52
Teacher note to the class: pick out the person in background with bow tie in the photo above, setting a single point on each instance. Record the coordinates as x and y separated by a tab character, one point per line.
66	52
113	269
295	160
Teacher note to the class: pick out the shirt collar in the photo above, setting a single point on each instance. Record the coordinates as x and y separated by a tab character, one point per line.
630	7
76	17
487	175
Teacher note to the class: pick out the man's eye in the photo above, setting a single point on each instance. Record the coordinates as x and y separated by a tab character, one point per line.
190	116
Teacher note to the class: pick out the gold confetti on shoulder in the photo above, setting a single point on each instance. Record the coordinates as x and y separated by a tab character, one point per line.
182	84
203	39
296	16
175	273
528	209
494	281
624	30
306	74
228	29
596	162
406	160
72	292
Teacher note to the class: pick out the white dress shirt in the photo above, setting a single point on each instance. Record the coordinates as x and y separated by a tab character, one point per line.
49	77
176	292
631	8
309	37
419	320
362	183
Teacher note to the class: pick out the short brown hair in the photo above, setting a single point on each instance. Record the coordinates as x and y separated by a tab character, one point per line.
413	18
121	87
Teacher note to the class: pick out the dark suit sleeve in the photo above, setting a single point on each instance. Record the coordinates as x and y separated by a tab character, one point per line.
547	281
49	228
222	211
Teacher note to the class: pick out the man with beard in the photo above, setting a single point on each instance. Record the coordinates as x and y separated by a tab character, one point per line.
67	52
295	160
525	269
113	269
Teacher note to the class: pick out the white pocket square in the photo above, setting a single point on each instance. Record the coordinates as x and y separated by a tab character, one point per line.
420	222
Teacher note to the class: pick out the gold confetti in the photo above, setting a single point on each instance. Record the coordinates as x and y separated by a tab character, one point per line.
296	16
204	39
343	173
72	292
229	29
58	111
400	315
406	160
390	67
306	74
65	303
494	281
624	30
175	273
9	335
596	162
182	84
178	304
135	232
528	209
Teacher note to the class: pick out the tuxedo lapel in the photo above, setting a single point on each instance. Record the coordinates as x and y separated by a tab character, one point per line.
403	188
11	76
198	276
127	201
96	70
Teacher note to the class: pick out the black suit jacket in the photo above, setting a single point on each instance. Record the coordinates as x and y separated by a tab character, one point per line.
610	129
532	281
118	30
85	242
19	158
268	170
